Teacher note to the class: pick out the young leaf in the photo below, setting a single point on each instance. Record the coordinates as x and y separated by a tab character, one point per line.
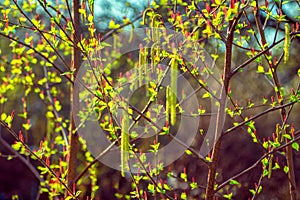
233	182
295	146
260	69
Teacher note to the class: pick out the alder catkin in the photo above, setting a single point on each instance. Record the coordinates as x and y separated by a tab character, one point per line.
173	90
167	103
140	66
270	167
124	143
286	42
145	63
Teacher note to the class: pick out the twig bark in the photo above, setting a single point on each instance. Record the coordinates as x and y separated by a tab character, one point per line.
220	117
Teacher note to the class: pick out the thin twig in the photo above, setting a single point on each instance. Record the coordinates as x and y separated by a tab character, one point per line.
258	161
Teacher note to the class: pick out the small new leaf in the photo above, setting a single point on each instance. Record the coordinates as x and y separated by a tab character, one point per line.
295	146
233	182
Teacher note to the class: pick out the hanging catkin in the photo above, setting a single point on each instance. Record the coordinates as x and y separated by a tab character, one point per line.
168	99
145	63
124	143
173	89
140	66
286	42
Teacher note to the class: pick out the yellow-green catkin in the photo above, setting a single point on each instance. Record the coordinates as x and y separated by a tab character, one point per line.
168	103
145	61
286	42
124	144
173	91
140	66
270	167
115	41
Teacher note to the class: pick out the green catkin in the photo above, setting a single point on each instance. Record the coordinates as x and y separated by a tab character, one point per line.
140	66
286	42
124	144
131	34
154	26
115	41
173	91
145	13
167	103
145	62
153	54
270	167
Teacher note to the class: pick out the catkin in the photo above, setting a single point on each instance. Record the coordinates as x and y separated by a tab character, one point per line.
124	143
167	103
286	42
270	167
145	62
140	66
173	91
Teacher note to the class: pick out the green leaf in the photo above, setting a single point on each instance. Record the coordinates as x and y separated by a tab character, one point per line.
113	25
295	146
193	185
10	157
233	182
26	126
17	146
3	116
183	195
183	176
228	196
260	69
188	152
68	198
118	195
90	18
151	188
206	95
287	136
286	169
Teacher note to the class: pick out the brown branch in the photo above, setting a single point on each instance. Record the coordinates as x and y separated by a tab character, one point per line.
211	178
273	67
